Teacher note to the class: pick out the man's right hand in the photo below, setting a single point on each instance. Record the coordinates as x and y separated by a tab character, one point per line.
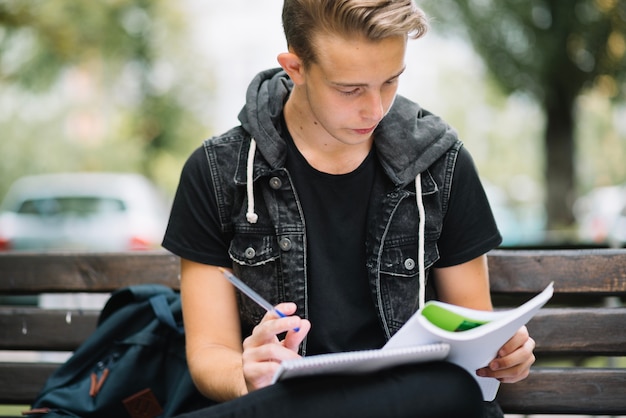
263	351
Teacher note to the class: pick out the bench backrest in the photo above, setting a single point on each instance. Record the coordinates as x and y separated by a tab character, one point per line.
584	322
578	334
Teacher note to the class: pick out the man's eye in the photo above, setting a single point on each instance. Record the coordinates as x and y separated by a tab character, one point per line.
349	92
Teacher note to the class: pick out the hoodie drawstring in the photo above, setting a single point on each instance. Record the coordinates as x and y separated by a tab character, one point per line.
420	246
250	215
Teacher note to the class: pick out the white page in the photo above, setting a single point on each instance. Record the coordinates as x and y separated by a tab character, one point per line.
474	348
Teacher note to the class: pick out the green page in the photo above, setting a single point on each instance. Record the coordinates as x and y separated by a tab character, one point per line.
447	320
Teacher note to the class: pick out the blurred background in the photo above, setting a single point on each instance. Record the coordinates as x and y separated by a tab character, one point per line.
102	101
536	90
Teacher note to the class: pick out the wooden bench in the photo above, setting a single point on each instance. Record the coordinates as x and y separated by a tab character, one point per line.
575	329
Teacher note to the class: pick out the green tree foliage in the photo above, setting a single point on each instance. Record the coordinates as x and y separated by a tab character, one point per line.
553	50
50	36
126	52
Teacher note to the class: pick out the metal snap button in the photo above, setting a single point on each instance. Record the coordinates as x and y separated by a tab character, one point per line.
249	253
275	183
409	264
285	244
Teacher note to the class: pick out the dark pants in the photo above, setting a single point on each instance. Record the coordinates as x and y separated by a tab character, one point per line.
425	390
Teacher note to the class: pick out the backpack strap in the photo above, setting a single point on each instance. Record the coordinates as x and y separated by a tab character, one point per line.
163	312
132	294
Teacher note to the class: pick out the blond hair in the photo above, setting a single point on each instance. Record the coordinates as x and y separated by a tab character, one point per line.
370	19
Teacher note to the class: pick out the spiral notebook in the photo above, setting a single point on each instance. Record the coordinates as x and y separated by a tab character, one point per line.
439	331
363	361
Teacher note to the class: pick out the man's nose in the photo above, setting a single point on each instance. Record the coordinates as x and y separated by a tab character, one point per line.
372	106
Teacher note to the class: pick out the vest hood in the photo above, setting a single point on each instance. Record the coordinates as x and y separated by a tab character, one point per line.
408	140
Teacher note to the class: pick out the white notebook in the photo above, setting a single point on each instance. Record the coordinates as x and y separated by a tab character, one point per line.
363	361
438	331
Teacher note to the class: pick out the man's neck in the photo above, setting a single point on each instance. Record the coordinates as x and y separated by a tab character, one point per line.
321	150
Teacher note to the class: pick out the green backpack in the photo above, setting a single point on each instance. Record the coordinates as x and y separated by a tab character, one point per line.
133	365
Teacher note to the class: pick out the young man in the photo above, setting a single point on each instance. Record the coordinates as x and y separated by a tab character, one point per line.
347	206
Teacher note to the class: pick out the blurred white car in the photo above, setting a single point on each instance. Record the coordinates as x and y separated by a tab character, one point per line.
82	211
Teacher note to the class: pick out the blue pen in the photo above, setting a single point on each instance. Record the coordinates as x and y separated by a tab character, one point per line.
248	291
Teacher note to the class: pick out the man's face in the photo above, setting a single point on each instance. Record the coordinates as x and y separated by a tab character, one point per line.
353	84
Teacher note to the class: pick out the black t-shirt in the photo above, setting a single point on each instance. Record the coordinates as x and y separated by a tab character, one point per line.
335	207
335	211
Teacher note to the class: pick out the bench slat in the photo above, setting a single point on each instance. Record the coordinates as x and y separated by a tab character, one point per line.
85	272
530	271
21	382
45	329
566	391
581	331
598	391
512	271
556	330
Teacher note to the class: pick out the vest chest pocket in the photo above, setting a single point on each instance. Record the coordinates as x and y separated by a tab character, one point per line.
253	250
399	277
255	260
400	257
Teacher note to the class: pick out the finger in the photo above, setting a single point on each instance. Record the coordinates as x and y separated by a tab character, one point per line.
510	375
513	374
272	325
515	342
293	339
523	355
260	363
275	352
280	311
513	367
258	374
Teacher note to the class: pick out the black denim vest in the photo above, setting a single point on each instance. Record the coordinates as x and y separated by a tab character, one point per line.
270	255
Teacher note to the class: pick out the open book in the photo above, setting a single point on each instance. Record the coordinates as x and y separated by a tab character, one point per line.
467	337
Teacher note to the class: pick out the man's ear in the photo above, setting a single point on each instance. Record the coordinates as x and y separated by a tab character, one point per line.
292	64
